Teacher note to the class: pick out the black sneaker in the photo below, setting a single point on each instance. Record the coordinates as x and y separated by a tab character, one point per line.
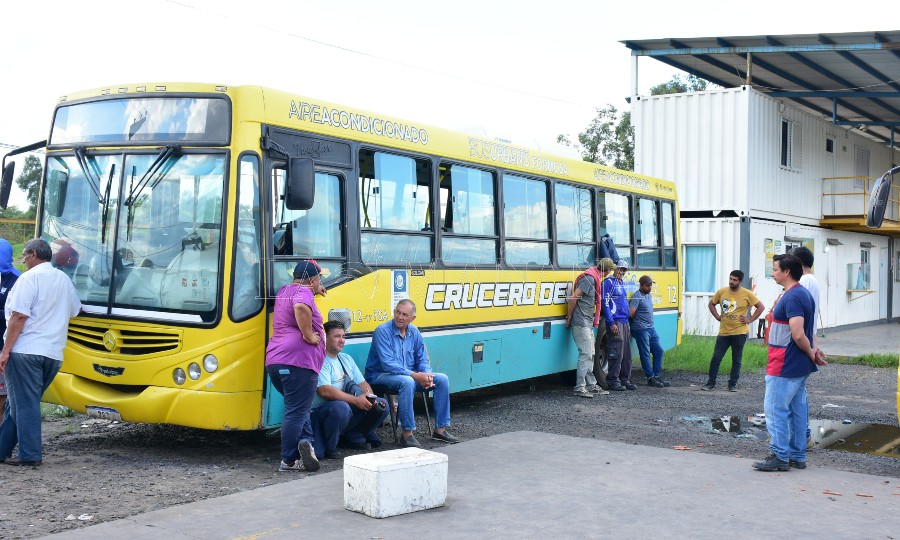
732	388
629	386
308	456
798	464
617	387
664	382
772	463
708	387
654	382
334	454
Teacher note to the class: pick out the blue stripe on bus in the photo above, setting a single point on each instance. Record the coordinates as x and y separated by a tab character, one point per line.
507	354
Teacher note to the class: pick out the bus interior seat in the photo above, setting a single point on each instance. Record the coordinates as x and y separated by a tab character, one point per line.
191	279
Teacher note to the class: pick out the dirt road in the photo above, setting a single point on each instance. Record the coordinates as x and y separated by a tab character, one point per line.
96	471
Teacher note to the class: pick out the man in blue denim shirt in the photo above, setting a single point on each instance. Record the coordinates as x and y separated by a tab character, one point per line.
399	361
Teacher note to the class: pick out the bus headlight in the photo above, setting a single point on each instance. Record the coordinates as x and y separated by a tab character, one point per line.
178	376
210	363
194	371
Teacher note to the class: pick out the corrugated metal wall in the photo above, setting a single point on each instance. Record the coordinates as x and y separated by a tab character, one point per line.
722	149
699	141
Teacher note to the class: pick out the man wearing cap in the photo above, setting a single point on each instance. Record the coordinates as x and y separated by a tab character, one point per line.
582	317
615	312
601	365
294	357
398	360
644	332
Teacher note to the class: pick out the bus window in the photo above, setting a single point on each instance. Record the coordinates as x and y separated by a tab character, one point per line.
668	230
395	197
468	207
246	298
574	227
647	240
316	232
525	217
615	220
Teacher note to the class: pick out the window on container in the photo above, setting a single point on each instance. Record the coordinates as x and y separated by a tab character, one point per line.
860	168
669	226
790	142
575	245
700	269
614	211
525	220
468	215
394	208
646	234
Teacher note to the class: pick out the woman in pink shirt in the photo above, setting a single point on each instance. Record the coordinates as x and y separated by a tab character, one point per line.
294	357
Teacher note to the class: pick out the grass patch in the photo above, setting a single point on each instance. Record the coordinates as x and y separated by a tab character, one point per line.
695	352
879	360
54	410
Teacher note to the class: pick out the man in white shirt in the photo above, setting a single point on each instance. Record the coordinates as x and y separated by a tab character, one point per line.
38	310
808	280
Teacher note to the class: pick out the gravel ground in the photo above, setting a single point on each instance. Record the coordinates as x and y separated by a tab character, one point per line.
95	471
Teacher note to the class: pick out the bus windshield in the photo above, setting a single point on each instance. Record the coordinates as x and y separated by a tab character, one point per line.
139	234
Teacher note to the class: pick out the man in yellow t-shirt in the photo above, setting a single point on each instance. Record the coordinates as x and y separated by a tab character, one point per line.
734	302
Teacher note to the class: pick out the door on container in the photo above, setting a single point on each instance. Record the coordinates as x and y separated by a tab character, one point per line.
883	277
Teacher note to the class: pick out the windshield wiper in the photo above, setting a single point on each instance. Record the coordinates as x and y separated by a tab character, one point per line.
160	165
154	167
105	202
95	184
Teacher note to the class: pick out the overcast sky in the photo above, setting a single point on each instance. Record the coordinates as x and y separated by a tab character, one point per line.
522	70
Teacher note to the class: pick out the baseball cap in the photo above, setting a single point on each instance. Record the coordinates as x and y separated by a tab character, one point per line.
622	264
307	269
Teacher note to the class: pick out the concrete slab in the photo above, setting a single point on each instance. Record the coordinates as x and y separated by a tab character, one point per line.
875	337
535	485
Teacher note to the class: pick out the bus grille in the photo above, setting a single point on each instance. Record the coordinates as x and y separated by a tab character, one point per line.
117	340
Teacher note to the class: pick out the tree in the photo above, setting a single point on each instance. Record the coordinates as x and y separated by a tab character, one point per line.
691	83
609	139
30	180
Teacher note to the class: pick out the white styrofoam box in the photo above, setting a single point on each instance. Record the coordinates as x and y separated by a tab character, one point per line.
396	482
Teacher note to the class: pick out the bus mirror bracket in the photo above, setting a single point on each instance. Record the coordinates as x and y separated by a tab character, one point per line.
879	198
300	184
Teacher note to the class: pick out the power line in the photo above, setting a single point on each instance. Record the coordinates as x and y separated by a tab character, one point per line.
389	60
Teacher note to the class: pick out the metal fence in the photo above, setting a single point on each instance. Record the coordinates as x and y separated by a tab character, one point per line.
16	231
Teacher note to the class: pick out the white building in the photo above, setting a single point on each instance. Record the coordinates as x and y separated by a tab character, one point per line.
757	175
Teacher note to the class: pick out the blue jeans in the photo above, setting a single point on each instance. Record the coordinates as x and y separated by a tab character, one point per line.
648	343
27	377
334	419
787	416
406	389
737	352
298	386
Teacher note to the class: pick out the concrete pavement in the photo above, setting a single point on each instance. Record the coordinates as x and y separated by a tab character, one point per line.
532	485
874	337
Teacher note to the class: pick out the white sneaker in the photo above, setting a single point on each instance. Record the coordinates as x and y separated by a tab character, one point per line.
583	393
597	390
297	466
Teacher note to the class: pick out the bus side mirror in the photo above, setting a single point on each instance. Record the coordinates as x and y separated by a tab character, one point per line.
300	185
879	199
57	185
6	183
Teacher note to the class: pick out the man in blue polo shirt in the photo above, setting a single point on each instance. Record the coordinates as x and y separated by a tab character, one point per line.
399	361
792	357
644	333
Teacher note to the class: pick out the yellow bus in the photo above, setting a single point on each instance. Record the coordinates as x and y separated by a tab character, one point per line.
179	210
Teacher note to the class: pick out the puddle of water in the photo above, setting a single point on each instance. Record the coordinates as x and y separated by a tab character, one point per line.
727	424
878	439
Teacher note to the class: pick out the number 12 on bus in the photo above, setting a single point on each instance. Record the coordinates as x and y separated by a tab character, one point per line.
179	210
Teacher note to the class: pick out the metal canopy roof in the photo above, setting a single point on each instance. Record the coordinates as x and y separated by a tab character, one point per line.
852	78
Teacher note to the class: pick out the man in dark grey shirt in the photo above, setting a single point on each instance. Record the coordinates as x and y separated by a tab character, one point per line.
582	317
641	313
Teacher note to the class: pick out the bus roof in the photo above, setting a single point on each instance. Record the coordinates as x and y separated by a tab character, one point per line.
285	109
